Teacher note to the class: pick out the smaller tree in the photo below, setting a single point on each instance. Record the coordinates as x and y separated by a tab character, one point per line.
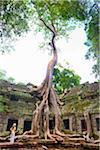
64	78
3	76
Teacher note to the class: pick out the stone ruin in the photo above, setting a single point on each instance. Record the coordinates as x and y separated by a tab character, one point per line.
17	106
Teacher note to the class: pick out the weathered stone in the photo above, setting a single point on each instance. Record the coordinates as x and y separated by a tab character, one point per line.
21	109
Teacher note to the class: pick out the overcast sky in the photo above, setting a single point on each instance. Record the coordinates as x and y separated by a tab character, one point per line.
28	63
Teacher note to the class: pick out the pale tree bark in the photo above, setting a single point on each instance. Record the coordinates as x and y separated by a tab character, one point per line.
89	126
49	98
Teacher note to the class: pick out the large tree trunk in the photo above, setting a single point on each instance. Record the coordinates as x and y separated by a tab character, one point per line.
49	99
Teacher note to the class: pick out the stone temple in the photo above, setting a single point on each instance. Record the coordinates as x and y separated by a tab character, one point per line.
17	106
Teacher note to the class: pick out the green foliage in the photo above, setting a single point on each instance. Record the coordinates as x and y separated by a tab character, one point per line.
15	16
21	83
92	29
80	102
11	79
66	14
3	106
5	134
59	10
76	105
3	76
64	79
21	94
61	13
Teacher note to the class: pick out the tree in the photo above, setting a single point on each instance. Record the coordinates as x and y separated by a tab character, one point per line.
64	79
3	76
55	17
49	97
64	16
92	30
15	18
14	21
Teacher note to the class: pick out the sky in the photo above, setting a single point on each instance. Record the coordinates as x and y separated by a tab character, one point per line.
28	63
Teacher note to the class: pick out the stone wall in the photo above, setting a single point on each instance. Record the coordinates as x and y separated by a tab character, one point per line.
78	100
17	104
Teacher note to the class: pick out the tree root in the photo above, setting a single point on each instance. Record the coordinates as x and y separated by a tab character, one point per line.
28	132
26	136
59	133
58	138
3	139
96	141
48	135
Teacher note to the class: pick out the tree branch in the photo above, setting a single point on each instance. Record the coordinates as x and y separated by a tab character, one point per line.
53	31
47	25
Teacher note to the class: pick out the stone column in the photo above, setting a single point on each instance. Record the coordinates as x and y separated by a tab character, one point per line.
20	124
70	123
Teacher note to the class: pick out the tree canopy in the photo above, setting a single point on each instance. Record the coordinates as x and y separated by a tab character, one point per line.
92	30
64	79
16	16
3	76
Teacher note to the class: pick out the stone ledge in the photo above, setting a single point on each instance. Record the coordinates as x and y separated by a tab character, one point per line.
49	144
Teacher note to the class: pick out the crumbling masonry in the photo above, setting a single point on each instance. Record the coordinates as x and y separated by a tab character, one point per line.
17	105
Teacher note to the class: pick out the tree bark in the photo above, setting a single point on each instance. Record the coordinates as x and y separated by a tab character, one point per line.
89	125
49	98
